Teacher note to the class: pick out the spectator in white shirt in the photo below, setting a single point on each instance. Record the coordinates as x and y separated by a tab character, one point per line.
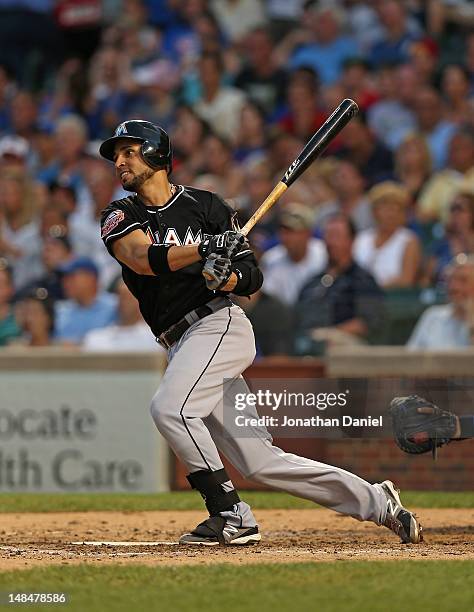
390	251
452	325
220	106
20	240
288	266
130	333
237	18
85	228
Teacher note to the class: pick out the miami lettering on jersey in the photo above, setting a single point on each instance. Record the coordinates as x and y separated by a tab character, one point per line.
172	237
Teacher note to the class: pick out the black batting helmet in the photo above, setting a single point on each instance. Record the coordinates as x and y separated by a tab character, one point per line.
156	147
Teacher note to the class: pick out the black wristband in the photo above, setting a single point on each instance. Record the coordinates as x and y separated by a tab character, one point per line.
467	426
249	278
203	248
158	258
242	279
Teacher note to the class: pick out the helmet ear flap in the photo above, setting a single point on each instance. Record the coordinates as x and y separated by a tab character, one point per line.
148	153
153	157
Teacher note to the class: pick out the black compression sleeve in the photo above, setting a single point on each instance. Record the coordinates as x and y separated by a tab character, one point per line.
249	278
158	258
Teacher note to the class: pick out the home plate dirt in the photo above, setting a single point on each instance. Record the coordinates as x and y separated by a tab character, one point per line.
28	540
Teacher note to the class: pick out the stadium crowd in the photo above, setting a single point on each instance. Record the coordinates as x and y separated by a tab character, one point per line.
375	243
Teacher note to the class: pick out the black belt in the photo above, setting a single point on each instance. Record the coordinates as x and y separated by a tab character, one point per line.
169	337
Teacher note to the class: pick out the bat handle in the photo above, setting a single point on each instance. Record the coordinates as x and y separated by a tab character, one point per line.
269	201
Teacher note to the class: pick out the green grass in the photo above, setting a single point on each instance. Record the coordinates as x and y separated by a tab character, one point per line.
76	502
365	586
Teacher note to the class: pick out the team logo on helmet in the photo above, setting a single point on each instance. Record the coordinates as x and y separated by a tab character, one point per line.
122	129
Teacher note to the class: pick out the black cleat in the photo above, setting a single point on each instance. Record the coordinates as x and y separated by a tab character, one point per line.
215	531
400	520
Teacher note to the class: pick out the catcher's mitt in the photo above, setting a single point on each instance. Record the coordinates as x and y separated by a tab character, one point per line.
420	426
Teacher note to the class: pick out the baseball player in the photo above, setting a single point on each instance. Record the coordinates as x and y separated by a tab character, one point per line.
182	257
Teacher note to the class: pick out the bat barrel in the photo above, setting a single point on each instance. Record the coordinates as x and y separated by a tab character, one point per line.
327	132
330	128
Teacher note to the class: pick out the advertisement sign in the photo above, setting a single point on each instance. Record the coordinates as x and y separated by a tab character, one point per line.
66	431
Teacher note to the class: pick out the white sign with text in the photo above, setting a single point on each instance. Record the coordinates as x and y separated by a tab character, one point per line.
80	432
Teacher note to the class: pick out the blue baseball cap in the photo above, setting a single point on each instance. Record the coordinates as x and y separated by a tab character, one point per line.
80	263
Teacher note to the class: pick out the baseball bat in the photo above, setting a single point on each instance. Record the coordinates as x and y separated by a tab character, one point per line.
318	143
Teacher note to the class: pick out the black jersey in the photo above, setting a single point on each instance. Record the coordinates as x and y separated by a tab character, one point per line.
189	216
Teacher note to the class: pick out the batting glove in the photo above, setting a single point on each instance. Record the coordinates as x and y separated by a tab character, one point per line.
216	271
226	244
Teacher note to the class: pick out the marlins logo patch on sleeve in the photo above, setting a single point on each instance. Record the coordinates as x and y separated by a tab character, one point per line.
111	222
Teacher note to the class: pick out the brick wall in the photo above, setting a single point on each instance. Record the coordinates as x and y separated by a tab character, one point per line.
376	460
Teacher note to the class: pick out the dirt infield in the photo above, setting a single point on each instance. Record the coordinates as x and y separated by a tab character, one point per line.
28	540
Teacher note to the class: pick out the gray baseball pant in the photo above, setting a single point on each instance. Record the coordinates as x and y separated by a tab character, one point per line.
188	410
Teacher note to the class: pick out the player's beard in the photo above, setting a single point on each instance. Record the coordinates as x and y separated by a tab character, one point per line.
137	180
